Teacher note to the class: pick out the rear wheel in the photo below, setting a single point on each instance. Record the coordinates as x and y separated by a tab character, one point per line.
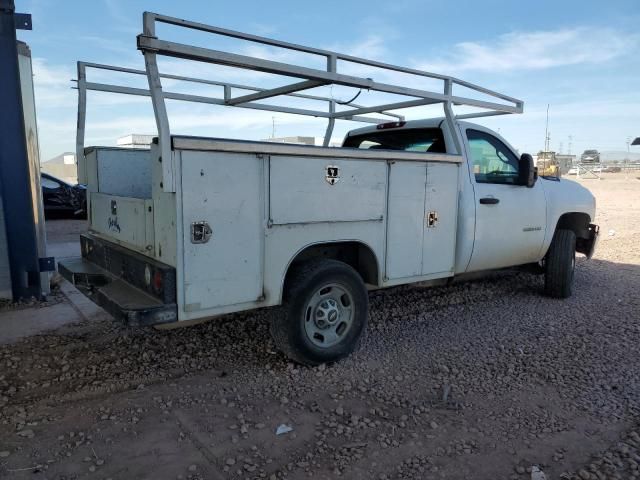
560	263
325	312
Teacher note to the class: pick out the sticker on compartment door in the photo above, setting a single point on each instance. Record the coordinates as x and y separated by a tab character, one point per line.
333	174
113	225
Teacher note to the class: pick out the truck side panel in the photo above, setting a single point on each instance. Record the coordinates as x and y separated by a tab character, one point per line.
284	242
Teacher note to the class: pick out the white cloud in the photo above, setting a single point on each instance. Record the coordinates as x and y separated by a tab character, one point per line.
371	47
52	84
537	50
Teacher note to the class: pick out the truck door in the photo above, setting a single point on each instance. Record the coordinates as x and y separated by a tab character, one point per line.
510	218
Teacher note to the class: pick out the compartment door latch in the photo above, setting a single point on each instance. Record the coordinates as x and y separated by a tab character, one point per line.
432	219
200	232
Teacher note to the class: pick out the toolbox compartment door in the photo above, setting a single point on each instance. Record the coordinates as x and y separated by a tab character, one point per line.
441	214
225	191
405	227
123	220
421	228
302	191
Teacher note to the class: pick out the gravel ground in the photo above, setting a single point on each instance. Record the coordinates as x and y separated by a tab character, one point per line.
478	380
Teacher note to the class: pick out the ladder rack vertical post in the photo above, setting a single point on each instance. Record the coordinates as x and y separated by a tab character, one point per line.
449	115
331	67
159	107
81	123
162	122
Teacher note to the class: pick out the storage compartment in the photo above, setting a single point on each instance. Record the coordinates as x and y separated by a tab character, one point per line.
405	224
441	218
224	193
117	171
125	220
421	229
310	190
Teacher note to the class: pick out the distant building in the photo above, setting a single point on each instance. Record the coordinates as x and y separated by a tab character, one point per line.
62	166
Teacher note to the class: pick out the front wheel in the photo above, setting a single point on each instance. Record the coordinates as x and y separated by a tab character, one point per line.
325	314
560	263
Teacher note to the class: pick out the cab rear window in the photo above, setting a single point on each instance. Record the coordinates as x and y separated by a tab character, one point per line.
428	140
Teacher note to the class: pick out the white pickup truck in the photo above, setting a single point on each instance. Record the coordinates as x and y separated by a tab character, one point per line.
198	227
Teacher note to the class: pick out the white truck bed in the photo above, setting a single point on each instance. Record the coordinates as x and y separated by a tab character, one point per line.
266	203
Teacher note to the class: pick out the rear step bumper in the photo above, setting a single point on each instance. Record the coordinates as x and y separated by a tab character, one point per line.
131	287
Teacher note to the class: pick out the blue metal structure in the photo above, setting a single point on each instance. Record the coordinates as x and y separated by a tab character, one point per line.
15	186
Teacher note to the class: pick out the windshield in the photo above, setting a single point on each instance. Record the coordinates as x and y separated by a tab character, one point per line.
411	140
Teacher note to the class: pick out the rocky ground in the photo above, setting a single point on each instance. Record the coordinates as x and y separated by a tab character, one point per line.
482	380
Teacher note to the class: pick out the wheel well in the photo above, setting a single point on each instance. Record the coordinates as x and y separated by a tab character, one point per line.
576	221
356	254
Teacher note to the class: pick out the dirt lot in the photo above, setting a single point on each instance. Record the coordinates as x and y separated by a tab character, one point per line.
480	380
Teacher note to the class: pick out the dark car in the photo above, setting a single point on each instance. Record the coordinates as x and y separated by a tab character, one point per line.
61	199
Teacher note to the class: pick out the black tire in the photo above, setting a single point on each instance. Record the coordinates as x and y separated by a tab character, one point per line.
290	329
560	264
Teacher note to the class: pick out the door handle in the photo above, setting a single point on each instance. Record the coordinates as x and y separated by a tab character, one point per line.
489	201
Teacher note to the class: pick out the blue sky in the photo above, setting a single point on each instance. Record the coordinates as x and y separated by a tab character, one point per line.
579	56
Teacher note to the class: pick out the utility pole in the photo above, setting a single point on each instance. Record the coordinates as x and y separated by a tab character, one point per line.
546	132
15	183
569	146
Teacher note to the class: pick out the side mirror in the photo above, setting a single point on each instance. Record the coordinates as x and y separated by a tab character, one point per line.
528	172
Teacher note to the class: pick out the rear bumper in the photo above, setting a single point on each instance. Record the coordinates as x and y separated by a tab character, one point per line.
588	245
133	288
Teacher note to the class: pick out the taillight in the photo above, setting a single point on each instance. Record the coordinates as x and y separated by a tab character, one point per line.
157	281
383	126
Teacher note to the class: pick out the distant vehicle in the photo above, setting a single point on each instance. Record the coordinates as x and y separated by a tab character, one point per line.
612	169
573	171
590	156
61	199
547	164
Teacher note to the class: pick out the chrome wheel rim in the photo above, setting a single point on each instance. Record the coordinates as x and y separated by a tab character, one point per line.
329	315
